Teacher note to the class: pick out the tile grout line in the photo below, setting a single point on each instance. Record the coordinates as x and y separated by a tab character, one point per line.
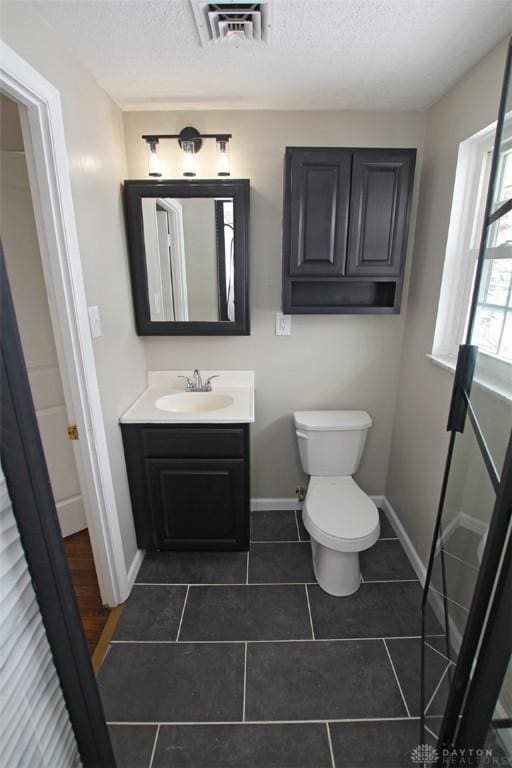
245	682
182	614
286	640
297	524
440	653
391	581
438	686
247	566
261	583
456	557
396	678
309	611
431	732
330	745
128	724
153	751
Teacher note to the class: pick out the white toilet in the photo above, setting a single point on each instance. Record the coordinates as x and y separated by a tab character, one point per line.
340	518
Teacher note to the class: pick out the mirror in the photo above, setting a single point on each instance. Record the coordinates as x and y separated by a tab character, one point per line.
188	255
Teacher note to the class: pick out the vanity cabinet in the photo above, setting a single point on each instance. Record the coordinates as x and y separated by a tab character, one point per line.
346	214
189	485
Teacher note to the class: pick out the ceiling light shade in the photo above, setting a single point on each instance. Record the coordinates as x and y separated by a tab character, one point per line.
189	158
155	164
223	165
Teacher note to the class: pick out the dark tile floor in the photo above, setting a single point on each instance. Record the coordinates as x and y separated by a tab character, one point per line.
239	660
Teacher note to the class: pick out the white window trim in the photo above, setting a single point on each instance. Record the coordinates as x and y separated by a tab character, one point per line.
457	278
493	373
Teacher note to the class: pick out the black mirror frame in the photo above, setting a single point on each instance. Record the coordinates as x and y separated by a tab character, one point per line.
239	190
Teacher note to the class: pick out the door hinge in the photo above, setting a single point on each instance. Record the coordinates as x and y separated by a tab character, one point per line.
73	432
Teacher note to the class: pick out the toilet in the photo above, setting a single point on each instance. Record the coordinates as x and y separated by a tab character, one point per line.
339	517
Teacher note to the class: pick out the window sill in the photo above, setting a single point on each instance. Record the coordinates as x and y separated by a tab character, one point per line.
497	388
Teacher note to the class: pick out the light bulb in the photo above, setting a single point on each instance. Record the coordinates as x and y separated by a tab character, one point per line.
189	158
155	164
223	168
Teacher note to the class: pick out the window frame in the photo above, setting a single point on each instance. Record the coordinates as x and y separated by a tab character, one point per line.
471	181
469	196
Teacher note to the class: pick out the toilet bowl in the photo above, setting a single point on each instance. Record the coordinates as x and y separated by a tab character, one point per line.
340	517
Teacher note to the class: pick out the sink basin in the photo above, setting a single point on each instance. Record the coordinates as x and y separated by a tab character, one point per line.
193	402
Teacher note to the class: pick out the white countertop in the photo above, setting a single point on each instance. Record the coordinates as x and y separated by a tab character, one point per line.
238	384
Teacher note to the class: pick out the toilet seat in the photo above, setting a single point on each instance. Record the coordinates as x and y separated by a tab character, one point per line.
339	515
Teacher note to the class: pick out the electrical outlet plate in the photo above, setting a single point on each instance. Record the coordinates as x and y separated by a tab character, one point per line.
283	324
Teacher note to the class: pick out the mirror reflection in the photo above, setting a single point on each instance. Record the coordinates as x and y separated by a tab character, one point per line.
189	252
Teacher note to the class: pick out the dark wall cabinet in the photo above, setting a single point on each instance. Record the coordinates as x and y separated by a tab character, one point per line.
189	485
346	214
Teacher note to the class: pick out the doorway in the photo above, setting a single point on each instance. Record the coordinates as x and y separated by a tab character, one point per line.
47	163
47	376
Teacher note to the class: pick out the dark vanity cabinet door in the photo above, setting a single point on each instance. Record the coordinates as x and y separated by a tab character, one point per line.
189	485
197	504
318	195
345	223
379	202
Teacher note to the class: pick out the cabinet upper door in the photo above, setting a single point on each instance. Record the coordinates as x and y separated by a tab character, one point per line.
379	210
316	211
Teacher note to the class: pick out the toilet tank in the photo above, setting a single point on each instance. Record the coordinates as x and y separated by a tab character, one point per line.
331	443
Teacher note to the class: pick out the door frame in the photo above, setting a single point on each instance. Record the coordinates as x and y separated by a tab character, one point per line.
48	170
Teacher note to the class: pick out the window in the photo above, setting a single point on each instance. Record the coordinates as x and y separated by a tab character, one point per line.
493	320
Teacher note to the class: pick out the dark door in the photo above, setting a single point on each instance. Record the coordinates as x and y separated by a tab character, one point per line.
198	503
468	577
317	193
33	505
379	208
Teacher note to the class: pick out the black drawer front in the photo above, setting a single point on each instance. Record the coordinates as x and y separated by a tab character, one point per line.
193	442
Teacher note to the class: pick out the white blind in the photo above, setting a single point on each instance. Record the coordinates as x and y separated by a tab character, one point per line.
35	730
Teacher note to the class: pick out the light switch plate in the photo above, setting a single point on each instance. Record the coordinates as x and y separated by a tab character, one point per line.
283	324
94	321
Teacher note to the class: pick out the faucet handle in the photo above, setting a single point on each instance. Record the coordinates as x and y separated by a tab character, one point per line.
190	383
207	385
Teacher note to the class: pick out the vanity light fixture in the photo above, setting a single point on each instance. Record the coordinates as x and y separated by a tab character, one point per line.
155	164
190	141
223	168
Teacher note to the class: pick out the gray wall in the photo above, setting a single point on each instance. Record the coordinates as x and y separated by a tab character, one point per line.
327	362
94	139
419	437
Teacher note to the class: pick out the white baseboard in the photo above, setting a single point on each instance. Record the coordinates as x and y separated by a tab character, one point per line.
410	550
133	571
277	504
280	504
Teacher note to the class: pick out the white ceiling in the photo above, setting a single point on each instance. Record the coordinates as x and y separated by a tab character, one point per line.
323	54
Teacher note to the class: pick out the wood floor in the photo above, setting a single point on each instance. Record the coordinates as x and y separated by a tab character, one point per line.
93	613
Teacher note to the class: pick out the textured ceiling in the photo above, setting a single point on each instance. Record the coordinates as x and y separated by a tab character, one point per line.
346	54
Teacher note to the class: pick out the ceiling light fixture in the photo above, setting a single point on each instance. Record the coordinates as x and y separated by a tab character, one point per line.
190	141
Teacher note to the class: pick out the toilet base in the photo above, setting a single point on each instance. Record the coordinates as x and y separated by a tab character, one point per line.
337	573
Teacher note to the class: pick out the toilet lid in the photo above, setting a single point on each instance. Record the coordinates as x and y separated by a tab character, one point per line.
338	508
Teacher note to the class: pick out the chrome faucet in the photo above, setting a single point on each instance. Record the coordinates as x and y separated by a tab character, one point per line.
196	383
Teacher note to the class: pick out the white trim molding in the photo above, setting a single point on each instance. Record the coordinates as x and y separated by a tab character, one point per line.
275	504
134	568
48	170
410	550
280	504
